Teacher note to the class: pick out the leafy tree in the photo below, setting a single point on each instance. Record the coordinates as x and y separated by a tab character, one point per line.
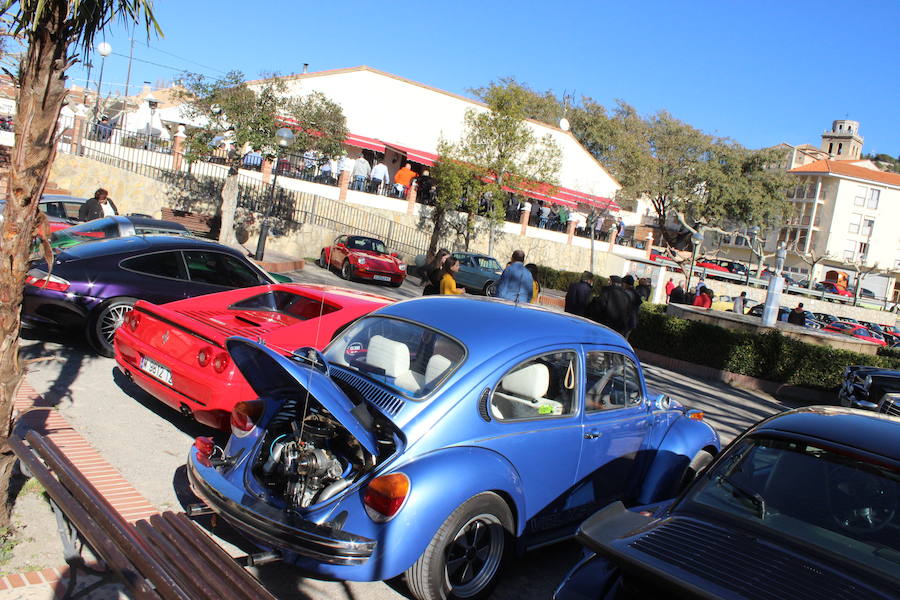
49	28
497	150
229	109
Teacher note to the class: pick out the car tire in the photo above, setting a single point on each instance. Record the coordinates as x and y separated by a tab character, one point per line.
347	270
323	260
490	289
472	574
698	463
104	321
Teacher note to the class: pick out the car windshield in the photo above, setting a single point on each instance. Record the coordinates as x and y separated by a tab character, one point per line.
836	501
370	244
487	263
407	357
97	229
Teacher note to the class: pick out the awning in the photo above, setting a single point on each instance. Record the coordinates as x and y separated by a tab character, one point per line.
417	156
538	196
367	143
589	199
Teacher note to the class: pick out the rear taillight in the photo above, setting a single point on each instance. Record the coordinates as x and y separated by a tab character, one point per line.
220	362
42	279
133	319
204	356
245	415
385	496
205	448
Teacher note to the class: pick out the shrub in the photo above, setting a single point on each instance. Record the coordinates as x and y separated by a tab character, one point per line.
561	280
767	355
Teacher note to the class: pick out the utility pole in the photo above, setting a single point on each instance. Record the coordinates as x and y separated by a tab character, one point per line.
128	77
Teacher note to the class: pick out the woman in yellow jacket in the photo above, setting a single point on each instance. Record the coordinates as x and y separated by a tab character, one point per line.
448	283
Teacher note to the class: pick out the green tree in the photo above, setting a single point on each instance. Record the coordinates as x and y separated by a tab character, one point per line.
497	150
227	107
49	29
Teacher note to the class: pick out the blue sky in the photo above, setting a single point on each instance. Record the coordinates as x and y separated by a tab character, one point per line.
760	72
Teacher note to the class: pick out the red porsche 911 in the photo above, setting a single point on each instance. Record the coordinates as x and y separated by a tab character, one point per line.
176	351
359	257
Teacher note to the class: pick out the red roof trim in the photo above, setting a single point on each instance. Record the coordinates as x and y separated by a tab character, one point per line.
417	156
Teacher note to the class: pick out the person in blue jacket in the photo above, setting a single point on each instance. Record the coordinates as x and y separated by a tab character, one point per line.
516	283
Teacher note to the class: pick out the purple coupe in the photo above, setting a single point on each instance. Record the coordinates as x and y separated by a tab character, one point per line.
93	286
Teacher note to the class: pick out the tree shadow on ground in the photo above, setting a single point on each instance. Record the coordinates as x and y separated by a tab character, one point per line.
36	345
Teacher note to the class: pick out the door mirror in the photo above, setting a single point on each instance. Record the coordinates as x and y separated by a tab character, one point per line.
661	402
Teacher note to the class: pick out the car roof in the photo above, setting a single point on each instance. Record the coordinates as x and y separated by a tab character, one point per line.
60	198
158	223
137	243
500	324
869	431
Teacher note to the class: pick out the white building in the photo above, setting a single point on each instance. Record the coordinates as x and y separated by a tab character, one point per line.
405	120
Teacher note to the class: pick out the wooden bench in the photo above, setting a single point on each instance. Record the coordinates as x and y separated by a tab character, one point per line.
197	223
166	556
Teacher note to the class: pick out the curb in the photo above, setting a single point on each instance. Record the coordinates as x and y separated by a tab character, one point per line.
793	392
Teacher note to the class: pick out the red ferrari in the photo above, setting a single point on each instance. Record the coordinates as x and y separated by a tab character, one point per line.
176	351
856	330
359	257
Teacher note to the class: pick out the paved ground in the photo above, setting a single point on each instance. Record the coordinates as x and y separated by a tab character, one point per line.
148	443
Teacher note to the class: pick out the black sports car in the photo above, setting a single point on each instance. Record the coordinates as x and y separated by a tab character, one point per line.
805	504
872	388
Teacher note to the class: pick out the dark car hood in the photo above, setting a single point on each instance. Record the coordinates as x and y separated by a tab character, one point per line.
268	372
701	559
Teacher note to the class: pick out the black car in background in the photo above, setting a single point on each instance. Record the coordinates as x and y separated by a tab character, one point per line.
871	388
732	266
805	504
810	319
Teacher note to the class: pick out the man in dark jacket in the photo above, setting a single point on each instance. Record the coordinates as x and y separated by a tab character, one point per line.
797	316
578	296
98	206
615	306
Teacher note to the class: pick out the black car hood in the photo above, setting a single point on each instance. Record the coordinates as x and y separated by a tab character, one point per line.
697	558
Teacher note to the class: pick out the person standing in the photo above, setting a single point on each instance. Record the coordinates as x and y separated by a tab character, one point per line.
677	295
536	285
378	176
515	282
643	289
703	299
101	205
578	296
448	281
797	316
361	170
620	231
701	283
615	307
425	187
739	304
432	273
669	287
402	179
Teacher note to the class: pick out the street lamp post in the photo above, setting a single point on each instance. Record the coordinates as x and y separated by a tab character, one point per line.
696	240
104	50
285	137
754	233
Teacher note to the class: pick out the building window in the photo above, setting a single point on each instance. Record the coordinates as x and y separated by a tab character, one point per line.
854	223
863	250
840	149
830	147
860	199
868	224
850	250
874	195
811	191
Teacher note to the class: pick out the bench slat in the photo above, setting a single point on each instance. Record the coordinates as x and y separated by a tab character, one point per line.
190	573
218	559
122	533
98	539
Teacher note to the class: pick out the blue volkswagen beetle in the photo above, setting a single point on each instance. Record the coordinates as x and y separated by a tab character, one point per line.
437	436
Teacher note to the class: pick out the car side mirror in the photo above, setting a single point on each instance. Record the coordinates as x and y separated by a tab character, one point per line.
661	402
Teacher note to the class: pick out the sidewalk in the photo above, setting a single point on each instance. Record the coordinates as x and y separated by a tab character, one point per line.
50	583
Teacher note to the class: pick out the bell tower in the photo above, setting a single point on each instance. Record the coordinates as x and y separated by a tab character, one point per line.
843	142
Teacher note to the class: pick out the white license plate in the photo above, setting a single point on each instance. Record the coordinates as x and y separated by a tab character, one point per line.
157	370
381	278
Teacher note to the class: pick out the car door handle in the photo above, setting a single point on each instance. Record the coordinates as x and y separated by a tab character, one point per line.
591	436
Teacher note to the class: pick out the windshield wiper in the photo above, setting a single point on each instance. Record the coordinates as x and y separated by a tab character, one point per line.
754	497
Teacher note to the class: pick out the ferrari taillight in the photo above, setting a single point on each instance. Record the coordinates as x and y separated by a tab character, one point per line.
204	356
133	319
220	362
385	496
245	415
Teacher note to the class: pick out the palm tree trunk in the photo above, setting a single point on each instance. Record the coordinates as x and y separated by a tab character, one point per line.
41	96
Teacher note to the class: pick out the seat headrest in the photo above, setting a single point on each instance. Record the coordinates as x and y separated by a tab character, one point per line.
530	382
436	366
389	355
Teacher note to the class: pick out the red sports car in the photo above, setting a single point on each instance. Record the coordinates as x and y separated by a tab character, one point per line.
176	351
856	330
359	257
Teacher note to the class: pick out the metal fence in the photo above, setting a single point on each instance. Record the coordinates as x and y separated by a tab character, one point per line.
201	181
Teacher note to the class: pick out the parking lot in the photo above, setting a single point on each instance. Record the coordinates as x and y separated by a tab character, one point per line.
148	443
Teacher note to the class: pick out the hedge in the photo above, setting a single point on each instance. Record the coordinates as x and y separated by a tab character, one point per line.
552	279
767	355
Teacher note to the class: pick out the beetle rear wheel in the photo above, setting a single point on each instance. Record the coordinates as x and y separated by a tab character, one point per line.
465	556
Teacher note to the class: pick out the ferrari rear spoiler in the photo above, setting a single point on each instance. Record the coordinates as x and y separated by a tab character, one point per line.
196	328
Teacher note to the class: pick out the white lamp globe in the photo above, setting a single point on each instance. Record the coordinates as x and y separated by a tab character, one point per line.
104	49
564	124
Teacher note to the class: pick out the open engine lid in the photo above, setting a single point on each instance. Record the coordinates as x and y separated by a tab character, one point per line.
270	373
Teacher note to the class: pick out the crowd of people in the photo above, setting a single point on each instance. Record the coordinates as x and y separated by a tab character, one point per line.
617	305
518	282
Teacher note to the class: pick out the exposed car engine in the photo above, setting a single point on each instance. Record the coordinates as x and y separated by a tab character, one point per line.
309	461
